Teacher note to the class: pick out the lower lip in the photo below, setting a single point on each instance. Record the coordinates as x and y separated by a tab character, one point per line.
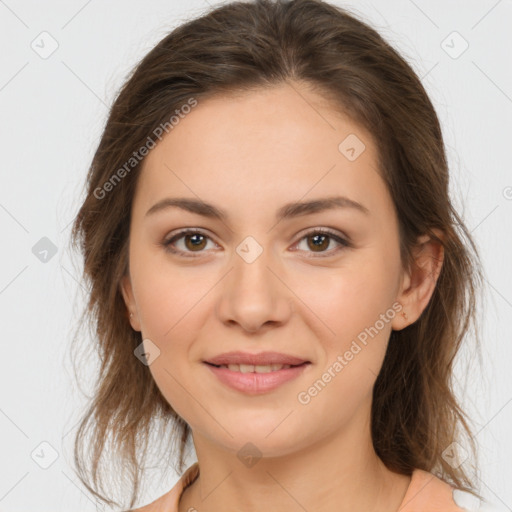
256	383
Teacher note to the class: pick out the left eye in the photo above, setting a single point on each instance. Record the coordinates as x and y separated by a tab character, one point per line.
320	239
195	241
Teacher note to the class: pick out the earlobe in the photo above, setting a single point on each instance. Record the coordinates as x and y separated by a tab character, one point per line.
420	283
125	286
126	290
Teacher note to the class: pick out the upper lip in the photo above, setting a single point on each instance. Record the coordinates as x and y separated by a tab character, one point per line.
263	358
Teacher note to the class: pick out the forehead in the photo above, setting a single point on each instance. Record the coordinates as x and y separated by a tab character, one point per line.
265	146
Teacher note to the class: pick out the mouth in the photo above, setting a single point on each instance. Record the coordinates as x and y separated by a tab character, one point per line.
256	374
261	360
260	368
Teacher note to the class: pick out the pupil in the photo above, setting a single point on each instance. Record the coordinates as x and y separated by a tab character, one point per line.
195	239
316	238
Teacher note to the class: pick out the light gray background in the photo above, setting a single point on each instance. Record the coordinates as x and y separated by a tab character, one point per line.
52	112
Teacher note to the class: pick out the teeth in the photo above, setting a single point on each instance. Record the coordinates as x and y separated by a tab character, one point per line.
250	368
246	368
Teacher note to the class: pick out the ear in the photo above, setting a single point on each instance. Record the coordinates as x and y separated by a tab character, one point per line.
418	284
127	291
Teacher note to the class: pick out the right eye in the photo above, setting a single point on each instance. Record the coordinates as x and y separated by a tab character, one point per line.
194	241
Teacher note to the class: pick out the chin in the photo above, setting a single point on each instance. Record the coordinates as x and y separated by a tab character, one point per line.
270	442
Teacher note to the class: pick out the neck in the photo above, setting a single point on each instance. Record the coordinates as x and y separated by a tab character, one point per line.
340	473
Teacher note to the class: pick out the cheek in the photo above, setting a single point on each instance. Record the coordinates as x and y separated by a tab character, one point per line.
348	299
169	309
171	304
357	308
359	311
167	295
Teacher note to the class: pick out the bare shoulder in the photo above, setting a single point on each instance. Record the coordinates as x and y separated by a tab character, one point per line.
170	502
155	506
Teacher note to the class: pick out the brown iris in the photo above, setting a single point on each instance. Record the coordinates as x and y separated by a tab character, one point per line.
318	247
195	241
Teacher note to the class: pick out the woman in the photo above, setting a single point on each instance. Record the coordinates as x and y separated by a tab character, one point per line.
277	271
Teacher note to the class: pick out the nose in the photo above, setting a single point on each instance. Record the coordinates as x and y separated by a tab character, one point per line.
254	294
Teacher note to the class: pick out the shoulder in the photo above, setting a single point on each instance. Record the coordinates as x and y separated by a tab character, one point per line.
154	506
471	503
427	492
169	501
151	507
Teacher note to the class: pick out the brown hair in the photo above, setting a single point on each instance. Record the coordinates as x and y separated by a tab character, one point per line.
242	46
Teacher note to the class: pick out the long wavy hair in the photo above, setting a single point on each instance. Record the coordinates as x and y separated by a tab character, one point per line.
243	46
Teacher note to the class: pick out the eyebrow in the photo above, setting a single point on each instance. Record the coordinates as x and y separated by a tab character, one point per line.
288	211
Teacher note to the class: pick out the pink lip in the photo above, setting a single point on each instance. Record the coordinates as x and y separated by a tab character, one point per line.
256	383
263	358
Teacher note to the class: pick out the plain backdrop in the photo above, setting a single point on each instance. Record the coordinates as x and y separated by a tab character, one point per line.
52	110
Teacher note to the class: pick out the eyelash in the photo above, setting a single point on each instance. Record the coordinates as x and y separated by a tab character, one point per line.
324	231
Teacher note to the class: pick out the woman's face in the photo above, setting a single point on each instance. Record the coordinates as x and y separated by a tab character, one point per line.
263	277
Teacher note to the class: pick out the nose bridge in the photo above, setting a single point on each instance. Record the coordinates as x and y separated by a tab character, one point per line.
251	263
252	293
251	272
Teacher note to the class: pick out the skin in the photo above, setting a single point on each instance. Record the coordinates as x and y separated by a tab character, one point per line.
250	154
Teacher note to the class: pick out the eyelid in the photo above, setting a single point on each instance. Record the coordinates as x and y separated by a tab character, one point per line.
339	237
180	234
